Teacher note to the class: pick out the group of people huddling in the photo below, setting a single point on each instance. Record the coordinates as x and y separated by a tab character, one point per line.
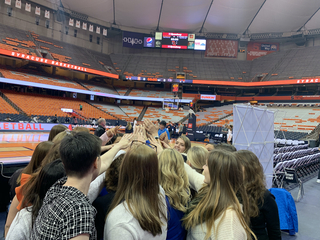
80	186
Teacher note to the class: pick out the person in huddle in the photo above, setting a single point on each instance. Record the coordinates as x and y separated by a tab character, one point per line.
182	144
34	192
219	214
101	127
197	157
66	212
129	128
174	180
138	210
263	210
163	129
102	203
21	176
55	130
38	155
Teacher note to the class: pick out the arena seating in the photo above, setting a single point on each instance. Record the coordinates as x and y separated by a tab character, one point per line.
16	40
14	117
36	104
122	91
39	79
114	110
214	113
67	53
6	107
97	88
154	113
150	93
132	111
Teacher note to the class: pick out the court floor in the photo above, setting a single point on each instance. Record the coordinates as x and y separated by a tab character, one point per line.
18	147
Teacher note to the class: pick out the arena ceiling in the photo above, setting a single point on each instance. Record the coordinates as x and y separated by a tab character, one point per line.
212	16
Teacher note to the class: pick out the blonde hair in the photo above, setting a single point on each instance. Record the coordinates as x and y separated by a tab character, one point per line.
197	156
174	179
60	136
225	187
129	126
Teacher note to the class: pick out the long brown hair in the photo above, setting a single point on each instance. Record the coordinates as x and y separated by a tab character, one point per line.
52	155
224	191
174	179
38	155
139	187
254	180
55	130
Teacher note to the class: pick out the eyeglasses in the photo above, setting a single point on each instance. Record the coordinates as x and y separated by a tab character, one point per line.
147	143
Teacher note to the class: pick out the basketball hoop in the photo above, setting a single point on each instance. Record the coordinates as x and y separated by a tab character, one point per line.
170	103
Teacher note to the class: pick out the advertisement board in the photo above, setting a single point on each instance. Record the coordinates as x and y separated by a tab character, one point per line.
148	42
221	48
200	44
132	39
208	97
258	49
14	126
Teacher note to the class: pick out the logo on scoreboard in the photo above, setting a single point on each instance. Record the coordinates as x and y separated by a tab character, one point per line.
149	42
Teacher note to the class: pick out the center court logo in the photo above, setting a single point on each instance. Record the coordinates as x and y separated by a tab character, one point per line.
132	41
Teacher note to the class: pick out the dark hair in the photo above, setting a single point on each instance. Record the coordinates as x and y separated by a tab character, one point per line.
78	151
114	138
37	157
55	130
225	147
163	123
112	174
36	188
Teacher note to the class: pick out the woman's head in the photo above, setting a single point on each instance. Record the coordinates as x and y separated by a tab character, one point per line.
182	144
129	125
254	179
55	130
174	179
52	155
37	157
197	157
112	174
224	176
60	136
81	129
139	186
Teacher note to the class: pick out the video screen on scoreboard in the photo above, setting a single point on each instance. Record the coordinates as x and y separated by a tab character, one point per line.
175	40
200	44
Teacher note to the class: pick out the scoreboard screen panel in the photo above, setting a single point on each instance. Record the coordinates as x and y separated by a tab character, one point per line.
175	40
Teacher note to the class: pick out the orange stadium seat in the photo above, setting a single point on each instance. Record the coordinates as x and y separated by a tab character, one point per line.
6	107
36	104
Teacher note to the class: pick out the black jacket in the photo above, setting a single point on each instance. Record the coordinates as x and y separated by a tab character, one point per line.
99	131
266	226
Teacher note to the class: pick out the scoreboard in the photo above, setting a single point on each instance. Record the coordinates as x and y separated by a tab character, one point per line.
174	40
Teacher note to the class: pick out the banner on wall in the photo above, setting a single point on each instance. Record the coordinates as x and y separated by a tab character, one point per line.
98	30
84	26
78	24
28	7
221	48
47	14
37	11
132	39
105	32
8	2
71	22
90	28
257	49
18	4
